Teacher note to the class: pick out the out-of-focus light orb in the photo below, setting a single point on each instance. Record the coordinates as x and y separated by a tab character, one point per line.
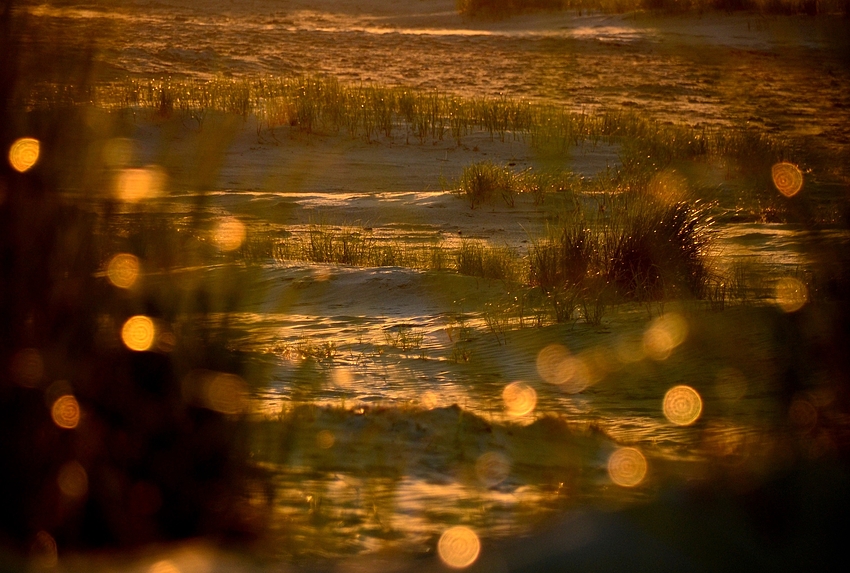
118	152
325	439
44	551
627	467
682	405
787	178
164	566
492	468
27	367
791	294
629	349
459	547
557	366
66	412
138	333
429	400
73	480
342	377
226	393
803	414
731	384
229	234
24	153
123	270
668	186
138	184
166	341
520	399
664	334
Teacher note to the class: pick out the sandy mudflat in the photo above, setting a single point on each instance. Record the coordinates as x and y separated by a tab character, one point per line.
374	445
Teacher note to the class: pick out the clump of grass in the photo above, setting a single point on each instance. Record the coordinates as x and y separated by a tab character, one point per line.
657	250
642	250
483	181
476	258
404	337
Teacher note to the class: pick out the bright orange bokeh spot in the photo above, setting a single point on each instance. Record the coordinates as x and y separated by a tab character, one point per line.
682	405
24	153
520	398
123	270
787	178
66	412
135	185
459	547
791	294
627	467
138	333
229	234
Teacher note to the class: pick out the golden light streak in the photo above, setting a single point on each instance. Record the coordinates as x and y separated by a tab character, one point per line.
459	547
791	294
123	270
229	234
663	335
787	178
138	333
138	184
627	467
73	480
66	412
23	154
492	468
520	399
682	405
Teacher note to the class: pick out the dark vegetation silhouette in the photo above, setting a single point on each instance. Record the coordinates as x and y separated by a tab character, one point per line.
146	463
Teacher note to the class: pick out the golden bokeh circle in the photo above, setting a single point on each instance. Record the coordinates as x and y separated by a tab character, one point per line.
73	480
66	412
520	398
664	334
556	365
229	234
459	547
627	467
791	294
24	153
682	405
787	178
123	270
138	333
226	393
492	468
325	439
137	184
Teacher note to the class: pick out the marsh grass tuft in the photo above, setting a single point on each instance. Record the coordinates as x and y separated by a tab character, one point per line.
637	249
477	259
